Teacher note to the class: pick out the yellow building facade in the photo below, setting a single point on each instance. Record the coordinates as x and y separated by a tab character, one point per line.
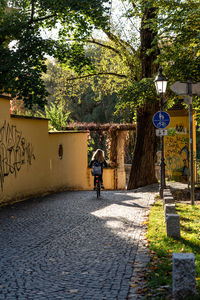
177	145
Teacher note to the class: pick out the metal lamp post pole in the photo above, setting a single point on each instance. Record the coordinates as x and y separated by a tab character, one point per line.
162	165
161	84
192	194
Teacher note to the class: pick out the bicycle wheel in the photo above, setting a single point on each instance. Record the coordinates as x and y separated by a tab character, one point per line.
98	190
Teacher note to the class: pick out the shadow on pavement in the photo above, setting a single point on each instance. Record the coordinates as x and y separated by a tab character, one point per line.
71	245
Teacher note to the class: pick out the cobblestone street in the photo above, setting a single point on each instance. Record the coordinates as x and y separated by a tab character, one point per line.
71	245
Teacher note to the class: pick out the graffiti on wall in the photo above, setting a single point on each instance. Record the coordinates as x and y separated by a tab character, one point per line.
173	163
176	157
174	145
15	151
181	129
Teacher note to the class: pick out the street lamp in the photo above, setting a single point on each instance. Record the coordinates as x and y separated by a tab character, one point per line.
161	85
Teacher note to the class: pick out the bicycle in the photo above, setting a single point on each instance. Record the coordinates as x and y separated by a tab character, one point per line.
98	186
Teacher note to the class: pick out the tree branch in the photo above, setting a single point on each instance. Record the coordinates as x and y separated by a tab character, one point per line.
133	3
124	45
42	18
97	74
32	10
93	41
118	41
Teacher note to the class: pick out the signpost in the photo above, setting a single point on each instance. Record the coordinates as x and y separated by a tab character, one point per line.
161	119
161	132
188	89
181	88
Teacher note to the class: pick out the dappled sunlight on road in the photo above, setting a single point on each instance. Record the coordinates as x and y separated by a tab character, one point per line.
123	211
126	212
125	221
115	224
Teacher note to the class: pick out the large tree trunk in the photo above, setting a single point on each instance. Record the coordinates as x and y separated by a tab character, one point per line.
143	165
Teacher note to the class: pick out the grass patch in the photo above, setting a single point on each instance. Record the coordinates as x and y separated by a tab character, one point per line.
159	274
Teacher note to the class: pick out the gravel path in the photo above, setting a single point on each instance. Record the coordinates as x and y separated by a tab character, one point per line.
71	245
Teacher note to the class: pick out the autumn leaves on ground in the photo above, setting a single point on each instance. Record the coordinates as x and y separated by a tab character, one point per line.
159	272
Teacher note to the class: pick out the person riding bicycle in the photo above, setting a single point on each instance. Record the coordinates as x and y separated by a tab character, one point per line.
98	158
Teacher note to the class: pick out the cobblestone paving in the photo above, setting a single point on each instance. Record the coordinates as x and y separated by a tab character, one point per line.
71	245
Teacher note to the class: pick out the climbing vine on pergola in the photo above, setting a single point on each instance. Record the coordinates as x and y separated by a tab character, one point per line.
110	130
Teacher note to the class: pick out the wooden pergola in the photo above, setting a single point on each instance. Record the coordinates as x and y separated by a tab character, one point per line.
100	127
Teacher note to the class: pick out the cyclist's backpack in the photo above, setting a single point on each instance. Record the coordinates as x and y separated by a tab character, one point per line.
96	169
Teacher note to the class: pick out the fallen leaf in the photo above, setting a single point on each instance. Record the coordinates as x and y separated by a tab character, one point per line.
153	268
133	285
145	222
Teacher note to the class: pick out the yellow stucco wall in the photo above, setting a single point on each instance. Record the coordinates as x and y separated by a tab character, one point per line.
177	144
30	163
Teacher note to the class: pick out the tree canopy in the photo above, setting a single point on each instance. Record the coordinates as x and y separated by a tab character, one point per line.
22	22
143	35
173	26
86	99
138	38
169	29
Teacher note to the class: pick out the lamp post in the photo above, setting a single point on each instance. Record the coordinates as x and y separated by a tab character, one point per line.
161	85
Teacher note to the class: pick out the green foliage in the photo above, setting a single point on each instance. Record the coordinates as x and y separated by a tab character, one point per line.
134	96
118	56
74	57
177	33
172	132
22	65
57	115
178	45
179	36
91	147
81	96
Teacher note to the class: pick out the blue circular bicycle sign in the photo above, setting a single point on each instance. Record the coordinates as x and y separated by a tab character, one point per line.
161	119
